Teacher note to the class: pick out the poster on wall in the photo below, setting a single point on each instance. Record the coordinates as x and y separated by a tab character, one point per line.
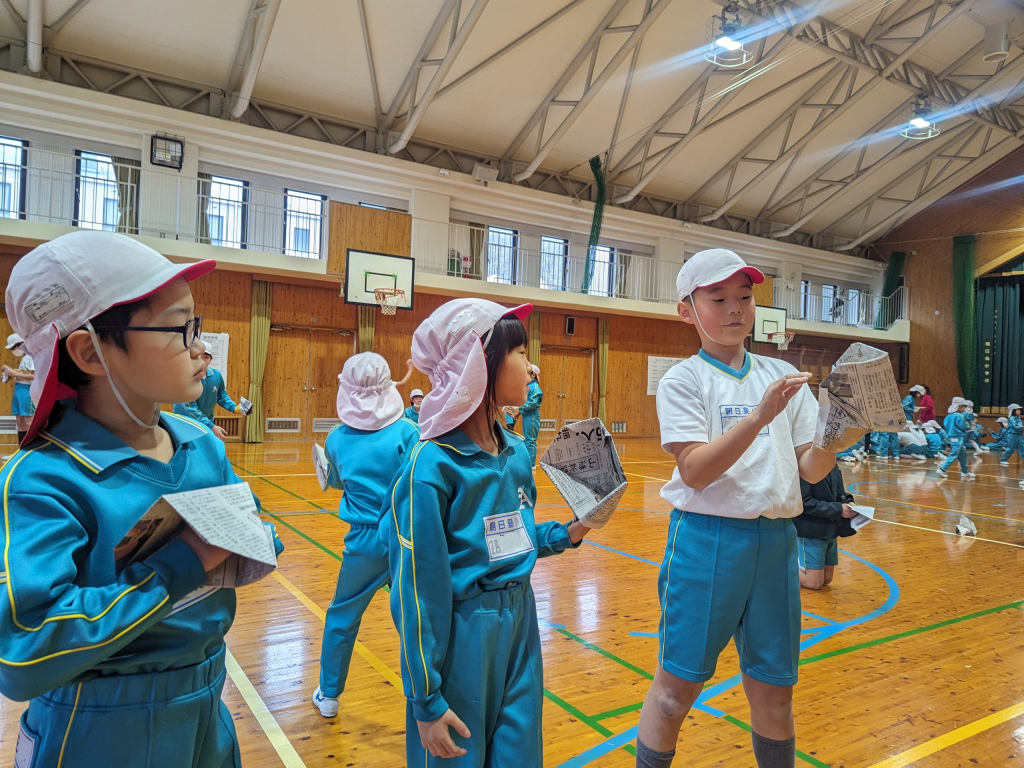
657	367
218	346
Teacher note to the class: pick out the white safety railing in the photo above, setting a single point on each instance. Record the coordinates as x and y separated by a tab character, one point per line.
497	256
94	191
837	305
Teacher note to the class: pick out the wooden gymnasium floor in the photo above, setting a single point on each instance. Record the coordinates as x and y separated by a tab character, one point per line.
915	655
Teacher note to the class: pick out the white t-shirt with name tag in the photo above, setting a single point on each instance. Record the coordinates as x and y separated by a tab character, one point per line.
701	399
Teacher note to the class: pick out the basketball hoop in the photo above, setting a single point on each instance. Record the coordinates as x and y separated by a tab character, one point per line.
389	299
781	339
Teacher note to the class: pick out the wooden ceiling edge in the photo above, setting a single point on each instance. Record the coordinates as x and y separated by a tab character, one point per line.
998	261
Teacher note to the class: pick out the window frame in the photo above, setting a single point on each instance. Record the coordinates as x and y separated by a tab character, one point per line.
610	269
22	145
243	240
564	255
513	260
298	194
101	157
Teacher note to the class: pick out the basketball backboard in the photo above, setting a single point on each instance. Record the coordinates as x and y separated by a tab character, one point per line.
768	320
366	271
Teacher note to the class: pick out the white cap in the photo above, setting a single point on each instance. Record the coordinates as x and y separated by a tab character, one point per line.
919	389
535	369
1003	420
929	430
204	348
933	424
1011	408
367	398
955	405
710	268
13	340
63	284
416	393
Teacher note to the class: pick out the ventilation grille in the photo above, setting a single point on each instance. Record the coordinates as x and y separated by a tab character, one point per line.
548	425
8	425
618	427
325	425
574	421
283	425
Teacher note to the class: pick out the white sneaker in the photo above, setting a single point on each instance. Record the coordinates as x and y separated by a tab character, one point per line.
940	470
1004	463
327	705
883	458
849	459
967	476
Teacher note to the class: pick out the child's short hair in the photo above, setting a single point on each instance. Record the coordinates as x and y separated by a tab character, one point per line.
109	327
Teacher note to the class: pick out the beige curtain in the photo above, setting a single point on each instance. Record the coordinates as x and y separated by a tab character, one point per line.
477	236
367	321
259	340
534	334
604	330
128	174
202	204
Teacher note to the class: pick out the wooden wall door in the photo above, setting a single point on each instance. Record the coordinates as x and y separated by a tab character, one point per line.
567	379
328	351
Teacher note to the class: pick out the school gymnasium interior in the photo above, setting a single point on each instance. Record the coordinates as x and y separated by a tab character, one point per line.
867	155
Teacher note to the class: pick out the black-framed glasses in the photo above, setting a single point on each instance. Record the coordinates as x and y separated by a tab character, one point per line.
190	331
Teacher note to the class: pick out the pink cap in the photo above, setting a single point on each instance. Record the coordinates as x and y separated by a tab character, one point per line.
448	347
367	398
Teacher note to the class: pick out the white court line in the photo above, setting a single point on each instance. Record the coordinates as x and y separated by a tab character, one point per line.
948	533
289	757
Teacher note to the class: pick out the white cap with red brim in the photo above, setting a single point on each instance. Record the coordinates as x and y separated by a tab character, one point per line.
61	285
367	397
712	267
449	348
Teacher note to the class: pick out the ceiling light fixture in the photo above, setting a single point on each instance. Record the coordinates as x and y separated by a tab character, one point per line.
724	31
921	123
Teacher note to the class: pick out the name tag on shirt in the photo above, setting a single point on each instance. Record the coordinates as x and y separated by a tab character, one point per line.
25	749
506	536
731	415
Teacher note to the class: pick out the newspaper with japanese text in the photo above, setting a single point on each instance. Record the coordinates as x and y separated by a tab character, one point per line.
584	466
860	395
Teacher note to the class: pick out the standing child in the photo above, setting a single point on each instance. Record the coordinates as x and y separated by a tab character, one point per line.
215	392
463	542
956	428
364	454
740	427
926	411
910	403
1014	430
530	411
412	413
22	407
115	669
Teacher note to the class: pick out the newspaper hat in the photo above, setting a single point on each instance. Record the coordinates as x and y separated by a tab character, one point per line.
919	389
928	429
13	340
1003	420
1011	408
933	424
367	397
955	405
415	393
63	284
449	347
711	267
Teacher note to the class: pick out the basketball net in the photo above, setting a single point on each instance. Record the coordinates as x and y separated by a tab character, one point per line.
781	339
389	299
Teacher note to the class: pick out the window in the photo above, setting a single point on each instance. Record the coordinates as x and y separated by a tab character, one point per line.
303	214
853	307
831	304
96	198
12	178
226	211
603	275
502	252
554	258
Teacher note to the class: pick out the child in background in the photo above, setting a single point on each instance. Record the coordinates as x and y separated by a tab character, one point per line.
971	441
364	455
934	439
1014	429
530	411
117	668
926	410
1000	435
740	427
22	407
910	403
412	413
957	428
215	392
463	542
826	517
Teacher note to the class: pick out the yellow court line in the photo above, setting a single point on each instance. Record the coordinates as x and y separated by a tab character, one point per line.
951	738
941	509
289	757
947	533
362	650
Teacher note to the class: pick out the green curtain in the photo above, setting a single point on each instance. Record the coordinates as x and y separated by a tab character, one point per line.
259	340
202	205
595	225
965	318
367	323
128	174
604	331
477	234
1001	337
893	273
534	334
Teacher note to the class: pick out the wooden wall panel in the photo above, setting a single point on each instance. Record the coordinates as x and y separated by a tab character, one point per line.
392	339
764	293
9	256
366	229
552	330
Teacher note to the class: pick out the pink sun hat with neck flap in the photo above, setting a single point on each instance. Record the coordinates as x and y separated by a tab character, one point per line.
449	348
367	397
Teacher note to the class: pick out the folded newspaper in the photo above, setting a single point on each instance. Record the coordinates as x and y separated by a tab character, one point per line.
224	516
860	395
321	466
584	466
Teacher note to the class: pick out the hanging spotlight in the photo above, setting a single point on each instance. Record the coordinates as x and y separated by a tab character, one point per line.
726	48
920	124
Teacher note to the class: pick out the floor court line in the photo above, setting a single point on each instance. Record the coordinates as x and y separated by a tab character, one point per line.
953	737
947	533
289	757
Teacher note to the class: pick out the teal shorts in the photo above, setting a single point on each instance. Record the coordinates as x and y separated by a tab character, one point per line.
815	554
724	577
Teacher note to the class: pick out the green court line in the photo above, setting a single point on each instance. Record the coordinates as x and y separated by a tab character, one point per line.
280	488
802	755
578	714
616	712
607	654
310	539
908	633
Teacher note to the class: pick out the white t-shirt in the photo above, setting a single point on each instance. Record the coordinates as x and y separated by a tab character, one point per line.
26	364
700	399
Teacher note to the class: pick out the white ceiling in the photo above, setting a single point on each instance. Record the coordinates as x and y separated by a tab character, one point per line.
316	60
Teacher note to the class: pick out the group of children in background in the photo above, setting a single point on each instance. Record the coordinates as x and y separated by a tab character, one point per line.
440	499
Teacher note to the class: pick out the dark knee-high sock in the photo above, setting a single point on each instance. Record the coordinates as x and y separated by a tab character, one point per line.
769	752
648	758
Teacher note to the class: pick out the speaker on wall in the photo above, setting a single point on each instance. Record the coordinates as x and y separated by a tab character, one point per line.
570	326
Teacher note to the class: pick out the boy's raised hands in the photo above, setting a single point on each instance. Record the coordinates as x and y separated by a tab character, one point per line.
778	395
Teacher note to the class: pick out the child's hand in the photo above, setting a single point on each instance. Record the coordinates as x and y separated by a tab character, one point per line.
435	737
577	531
778	395
209	555
848	512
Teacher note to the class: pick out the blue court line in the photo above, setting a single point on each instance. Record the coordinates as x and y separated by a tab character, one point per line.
643	634
824	633
819	618
620	552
